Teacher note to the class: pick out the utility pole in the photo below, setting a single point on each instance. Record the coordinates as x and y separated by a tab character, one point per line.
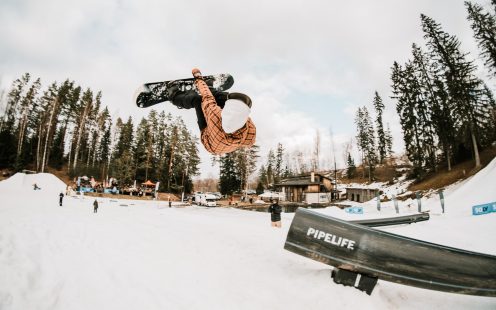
334	189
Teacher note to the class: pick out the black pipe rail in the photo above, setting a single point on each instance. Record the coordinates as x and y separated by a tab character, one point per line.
390	257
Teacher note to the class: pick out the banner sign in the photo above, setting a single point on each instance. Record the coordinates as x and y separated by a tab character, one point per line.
354	210
484	208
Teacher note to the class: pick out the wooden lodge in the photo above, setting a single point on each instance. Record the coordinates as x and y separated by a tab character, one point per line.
312	188
361	194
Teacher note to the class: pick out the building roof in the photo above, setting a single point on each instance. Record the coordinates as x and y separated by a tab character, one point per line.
363	188
302	180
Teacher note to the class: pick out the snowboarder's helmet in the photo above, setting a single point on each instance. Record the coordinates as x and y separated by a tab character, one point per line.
234	115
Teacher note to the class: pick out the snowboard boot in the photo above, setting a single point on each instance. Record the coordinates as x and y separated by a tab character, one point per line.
220	97
240	96
172	89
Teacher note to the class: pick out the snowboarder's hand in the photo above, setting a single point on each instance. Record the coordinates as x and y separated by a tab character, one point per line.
196	73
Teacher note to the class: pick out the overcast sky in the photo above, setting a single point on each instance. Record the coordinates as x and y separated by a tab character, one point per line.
308	65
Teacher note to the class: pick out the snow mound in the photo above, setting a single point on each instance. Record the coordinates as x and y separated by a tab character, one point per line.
23	182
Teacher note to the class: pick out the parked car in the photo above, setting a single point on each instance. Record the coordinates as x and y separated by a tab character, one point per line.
217	195
207	200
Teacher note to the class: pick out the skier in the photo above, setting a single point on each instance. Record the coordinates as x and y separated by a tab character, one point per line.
275	214
222	117
61	197
95	206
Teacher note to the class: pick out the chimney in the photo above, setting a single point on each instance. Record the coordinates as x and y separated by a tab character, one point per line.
312	177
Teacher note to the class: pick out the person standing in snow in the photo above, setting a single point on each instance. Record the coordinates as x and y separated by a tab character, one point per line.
61	197
275	214
223	117
95	206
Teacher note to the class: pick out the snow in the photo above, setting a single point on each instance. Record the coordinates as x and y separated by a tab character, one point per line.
145	255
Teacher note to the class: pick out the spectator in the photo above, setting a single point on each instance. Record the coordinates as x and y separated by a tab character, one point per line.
275	214
95	206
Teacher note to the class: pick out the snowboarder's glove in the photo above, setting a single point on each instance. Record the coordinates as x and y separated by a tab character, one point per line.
196	73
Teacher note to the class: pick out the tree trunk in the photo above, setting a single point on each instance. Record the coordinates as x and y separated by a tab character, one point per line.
45	156
173	146
22	130
476	150
448	157
80	133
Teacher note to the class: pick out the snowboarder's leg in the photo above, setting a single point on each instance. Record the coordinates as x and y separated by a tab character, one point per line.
185	99
190	99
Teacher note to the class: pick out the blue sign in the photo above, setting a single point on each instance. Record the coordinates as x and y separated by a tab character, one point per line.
484	209
354	210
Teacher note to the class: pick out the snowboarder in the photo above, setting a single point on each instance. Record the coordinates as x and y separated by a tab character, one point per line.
223	117
61	197
95	206
275	214
36	187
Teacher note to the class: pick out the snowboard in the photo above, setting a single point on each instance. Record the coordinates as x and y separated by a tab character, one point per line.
150	94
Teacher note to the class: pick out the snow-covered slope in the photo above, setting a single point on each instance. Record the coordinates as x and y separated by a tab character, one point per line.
136	255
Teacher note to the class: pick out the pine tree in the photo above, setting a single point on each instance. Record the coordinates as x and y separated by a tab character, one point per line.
351	168
425	98
229	179
484	26
389	141
186	158
105	126
83	114
142	152
26	109
64	109
94	136
246	160
278	171
262	176
7	132
271	162
122	162
162	133
406	92
69	115
381	135
260	188
366	140
49	117
466	92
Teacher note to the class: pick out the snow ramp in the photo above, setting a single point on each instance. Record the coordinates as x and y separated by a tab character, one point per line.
48	183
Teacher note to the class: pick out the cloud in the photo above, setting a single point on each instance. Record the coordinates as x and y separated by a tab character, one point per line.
307	64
